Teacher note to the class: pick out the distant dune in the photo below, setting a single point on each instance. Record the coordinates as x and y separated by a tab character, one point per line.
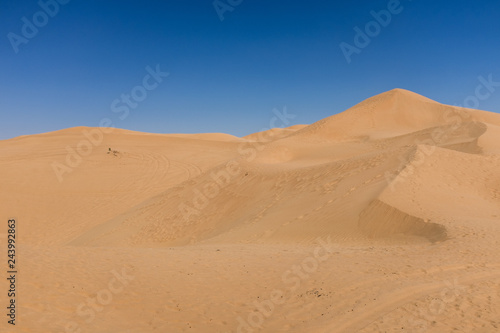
273	133
405	190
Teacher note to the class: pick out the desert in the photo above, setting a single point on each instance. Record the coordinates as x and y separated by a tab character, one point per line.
381	218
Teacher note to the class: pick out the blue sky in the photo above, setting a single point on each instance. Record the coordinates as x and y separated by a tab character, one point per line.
228	75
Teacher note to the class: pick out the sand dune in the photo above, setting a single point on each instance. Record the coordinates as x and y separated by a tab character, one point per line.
381	218
273	133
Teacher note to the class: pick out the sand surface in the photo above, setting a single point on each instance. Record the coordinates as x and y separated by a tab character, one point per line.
383	218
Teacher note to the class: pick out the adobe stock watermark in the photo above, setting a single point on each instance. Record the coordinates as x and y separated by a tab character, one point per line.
454	118
372	29
30	28
232	169
87	310
421	319
484	90
223	6
292	279
94	137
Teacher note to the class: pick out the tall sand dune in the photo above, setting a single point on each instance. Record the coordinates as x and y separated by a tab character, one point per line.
381	218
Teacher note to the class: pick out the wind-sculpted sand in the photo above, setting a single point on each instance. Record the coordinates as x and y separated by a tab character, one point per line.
382	218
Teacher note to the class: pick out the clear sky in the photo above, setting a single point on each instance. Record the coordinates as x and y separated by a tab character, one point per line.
72	66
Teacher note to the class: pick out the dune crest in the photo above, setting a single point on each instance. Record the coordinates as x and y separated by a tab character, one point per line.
392	113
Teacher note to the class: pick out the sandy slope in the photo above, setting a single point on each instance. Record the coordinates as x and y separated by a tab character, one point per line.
382	218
